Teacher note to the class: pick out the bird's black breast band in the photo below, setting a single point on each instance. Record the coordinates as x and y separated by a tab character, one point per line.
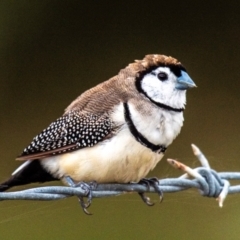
138	136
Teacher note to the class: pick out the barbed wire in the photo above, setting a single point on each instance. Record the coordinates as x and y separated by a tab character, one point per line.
209	183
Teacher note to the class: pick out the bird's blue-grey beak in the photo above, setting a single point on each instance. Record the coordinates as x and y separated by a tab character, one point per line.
184	82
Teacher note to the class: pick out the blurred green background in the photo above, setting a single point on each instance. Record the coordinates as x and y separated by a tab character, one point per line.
51	51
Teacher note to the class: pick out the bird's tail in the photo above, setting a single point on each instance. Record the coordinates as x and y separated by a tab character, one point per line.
28	172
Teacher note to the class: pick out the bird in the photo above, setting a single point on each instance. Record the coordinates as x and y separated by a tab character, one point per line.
115	132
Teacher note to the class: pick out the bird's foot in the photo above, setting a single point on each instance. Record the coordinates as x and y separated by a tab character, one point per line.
150	182
88	187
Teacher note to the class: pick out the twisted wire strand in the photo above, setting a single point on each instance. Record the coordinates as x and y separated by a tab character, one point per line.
209	182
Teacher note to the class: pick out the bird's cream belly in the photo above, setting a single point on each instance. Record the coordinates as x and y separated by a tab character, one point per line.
121	159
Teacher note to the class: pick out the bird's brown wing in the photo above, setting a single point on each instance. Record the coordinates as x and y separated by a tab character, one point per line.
68	133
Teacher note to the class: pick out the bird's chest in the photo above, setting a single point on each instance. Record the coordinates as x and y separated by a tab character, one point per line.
159	126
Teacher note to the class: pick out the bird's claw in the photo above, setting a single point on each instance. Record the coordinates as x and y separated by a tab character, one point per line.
84	205
88	187
145	199
150	182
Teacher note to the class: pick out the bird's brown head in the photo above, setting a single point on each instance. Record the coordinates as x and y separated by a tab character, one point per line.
153	61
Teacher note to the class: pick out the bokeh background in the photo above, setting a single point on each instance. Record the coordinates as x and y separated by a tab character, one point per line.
51	51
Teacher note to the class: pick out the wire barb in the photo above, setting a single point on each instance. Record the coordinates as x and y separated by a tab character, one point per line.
209	182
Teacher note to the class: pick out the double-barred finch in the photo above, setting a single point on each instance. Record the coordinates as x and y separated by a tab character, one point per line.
115	132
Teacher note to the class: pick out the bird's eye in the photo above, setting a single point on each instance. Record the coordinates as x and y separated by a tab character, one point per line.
162	76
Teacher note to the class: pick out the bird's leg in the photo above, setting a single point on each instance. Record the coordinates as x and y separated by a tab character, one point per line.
150	182
88	187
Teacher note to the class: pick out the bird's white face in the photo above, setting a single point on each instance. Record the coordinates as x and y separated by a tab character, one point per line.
161	86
